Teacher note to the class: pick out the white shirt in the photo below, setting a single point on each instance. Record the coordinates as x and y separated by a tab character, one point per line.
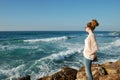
90	47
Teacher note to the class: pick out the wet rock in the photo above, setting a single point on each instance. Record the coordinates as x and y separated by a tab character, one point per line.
25	78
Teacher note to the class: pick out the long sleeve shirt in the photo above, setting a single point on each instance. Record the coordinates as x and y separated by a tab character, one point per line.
90	47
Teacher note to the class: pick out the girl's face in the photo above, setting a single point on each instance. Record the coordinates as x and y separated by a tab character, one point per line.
87	29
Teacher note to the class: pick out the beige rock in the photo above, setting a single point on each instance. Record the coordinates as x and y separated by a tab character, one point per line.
112	68
110	77
65	74
97	71
106	71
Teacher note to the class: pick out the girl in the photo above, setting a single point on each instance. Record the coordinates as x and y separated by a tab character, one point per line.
90	47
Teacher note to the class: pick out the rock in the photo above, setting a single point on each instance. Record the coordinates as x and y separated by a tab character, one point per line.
97	71
112	68
110	77
107	63
45	78
106	71
65	74
25	78
81	74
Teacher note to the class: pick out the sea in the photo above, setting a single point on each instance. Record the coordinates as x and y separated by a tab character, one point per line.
42	53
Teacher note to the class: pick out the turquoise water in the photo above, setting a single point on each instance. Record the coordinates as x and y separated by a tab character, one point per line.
40	53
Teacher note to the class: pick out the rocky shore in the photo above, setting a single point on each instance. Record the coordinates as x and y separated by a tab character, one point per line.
105	71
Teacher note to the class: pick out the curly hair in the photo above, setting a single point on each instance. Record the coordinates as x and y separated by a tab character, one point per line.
93	24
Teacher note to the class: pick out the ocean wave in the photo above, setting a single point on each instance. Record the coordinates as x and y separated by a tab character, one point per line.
101	61
111	60
110	34
64	54
47	39
115	43
46	64
114	34
61	55
13	73
71	49
100	34
7	47
13	47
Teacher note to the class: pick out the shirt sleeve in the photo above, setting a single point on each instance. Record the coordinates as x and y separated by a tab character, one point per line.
89	44
94	46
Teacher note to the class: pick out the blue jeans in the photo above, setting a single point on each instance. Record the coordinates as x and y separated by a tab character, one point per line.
88	63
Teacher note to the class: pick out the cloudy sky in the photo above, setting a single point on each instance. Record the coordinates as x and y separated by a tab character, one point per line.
67	15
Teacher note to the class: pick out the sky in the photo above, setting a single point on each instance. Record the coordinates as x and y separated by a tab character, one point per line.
58	15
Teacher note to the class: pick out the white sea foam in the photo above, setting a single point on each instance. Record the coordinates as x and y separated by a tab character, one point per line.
47	39
114	34
45	63
115	43
7	47
45	68
12	47
111	60
63	54
101	61
12	73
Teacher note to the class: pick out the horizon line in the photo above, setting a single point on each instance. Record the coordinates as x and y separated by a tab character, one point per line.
53	30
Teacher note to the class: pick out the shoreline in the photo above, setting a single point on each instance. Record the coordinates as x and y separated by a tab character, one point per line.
106	71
